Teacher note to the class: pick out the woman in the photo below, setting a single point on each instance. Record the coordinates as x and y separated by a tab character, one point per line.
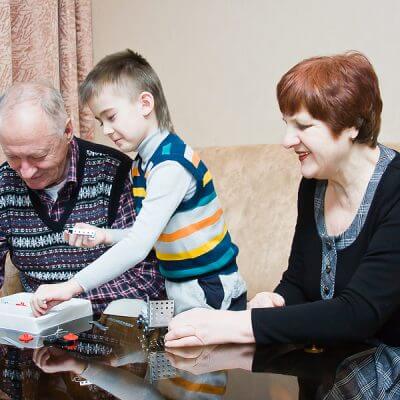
343	278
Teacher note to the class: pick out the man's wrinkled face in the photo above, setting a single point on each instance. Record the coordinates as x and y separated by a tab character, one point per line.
32	148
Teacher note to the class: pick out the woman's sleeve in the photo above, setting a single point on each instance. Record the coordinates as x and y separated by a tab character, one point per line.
290	286
368	301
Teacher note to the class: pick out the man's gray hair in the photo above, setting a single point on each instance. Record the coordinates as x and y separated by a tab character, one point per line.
35	93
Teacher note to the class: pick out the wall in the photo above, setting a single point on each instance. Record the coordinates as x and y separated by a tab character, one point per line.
220	60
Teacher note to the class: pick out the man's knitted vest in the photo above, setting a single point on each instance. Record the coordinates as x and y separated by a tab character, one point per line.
36	242
195	241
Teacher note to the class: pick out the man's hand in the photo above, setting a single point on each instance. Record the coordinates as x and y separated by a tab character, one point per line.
48	296
265	300
101	236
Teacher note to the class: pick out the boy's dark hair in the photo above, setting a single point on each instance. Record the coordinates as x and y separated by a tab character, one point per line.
130	72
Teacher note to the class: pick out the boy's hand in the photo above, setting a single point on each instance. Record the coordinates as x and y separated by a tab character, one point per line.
77	240
52	360
48	296
266	300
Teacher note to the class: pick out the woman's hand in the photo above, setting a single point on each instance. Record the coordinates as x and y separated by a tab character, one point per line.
101	236
48	296
265	300
200	326
206	359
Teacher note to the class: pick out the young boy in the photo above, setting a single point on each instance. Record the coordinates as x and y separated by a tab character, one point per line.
178	213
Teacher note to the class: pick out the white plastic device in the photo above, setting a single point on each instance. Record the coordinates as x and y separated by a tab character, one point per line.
84	232
16	313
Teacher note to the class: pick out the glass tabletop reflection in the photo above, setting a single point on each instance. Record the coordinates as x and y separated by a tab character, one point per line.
116	359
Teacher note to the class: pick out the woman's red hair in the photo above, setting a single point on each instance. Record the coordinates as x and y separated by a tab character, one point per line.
341	90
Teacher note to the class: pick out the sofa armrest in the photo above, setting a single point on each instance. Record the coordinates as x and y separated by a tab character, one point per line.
12	283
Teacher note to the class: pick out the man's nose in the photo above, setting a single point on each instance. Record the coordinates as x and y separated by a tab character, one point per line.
27	170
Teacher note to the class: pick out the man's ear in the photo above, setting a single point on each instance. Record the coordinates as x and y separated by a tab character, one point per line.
146	103
69	132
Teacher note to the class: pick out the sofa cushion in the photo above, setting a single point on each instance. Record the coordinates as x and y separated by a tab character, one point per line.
257	186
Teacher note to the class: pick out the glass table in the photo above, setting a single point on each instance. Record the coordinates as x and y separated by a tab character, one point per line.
117	360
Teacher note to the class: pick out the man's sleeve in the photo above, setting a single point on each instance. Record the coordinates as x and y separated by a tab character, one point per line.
126	211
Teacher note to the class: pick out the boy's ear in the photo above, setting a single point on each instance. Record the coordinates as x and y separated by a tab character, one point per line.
146	102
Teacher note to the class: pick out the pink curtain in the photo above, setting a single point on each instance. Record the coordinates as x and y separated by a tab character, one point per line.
48	40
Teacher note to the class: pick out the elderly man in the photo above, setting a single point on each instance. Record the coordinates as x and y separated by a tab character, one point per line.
51	181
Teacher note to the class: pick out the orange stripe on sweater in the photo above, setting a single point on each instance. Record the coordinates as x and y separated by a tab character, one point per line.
188	230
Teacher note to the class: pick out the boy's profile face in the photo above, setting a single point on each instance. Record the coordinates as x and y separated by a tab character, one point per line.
121	117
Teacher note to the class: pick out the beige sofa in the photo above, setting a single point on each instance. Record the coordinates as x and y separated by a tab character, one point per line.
257	186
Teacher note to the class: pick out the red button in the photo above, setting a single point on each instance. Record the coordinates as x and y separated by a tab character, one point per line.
70	336
25	337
